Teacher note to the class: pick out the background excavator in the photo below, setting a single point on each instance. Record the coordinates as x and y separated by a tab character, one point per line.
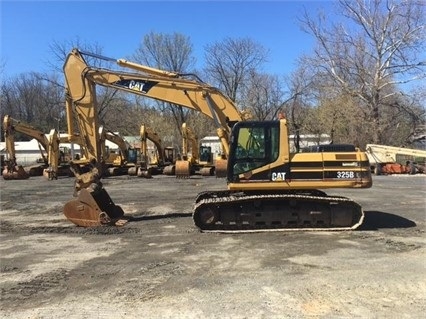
55	158
269	188
115	163
196	158
161	160
11	169
53	163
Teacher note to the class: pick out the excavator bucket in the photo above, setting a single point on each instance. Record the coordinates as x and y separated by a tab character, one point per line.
17	172
93	208
183	169
221	167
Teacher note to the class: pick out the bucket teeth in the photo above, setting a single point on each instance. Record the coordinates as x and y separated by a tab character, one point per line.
183	169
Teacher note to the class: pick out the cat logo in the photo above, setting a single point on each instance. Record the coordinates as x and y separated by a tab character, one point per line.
278	176
137	86
142	86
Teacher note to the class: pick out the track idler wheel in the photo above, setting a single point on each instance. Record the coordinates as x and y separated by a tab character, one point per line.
169	170
207	171
144	172
132	171
206	218
93	207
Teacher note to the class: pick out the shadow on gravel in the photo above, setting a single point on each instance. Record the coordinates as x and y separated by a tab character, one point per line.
154	217
374	220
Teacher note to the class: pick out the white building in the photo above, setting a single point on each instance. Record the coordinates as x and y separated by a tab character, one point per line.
305	141
214	143
30	152
309	140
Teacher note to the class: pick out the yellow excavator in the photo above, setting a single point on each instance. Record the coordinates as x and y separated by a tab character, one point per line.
11	169
163	159
269	188
115	163
56	162
200	159
186	165
53	165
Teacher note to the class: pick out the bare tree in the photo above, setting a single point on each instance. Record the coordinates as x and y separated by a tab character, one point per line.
300	99
231	62
171	52
341	123
2	66
379	48
59	51
31	99
110	101
262	95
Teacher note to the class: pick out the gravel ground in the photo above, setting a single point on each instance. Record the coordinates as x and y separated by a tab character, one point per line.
160	266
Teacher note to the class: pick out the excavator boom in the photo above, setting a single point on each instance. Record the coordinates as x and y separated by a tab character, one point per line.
81	105
161	161
151	83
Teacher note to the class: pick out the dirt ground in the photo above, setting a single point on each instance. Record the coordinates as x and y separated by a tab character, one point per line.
160	266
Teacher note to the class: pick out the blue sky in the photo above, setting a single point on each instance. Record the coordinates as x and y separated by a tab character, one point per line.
29	27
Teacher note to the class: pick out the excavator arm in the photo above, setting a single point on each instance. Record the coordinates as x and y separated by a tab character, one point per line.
189	138
11	170
107	135
148	82
184	167
12	125
148	133
93	205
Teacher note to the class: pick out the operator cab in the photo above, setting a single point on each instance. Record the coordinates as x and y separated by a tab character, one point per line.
253	144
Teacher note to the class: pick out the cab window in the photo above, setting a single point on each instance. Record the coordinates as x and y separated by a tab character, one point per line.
256	147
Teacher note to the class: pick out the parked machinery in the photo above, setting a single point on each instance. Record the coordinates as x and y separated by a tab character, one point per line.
53	164
163	158
386	159
160	160
269	188
11	169
57	159
198	160
115	163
